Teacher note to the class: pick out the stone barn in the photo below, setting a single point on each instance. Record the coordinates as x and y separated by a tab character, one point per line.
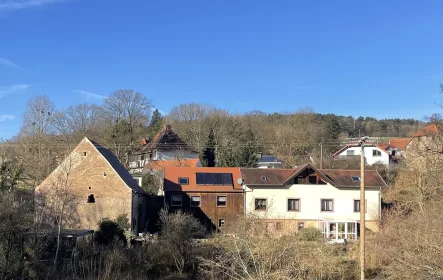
91	185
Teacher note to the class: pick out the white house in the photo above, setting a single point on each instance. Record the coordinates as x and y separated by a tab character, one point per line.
374	154
290	199
166	145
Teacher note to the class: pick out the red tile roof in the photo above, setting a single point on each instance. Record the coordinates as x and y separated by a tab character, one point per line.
173	173
399	143
430	129
160	164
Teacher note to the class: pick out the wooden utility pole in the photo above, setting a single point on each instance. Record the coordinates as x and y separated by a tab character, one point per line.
362	210
321	156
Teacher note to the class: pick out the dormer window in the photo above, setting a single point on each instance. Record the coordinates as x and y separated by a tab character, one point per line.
355	178
263	178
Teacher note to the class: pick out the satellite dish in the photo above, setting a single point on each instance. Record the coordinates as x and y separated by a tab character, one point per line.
240	181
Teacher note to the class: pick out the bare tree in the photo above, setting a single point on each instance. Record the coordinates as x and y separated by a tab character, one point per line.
34	136
77	121
177	231
128	107
56	203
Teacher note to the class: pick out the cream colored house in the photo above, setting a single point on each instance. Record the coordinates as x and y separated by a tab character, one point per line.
290	199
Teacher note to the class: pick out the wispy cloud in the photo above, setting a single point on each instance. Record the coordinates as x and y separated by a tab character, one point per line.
88	94
13	89
8	63
12	5
6	117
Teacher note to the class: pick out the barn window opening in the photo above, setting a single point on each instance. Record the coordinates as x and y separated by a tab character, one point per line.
91	198
104	174
89	187
85	154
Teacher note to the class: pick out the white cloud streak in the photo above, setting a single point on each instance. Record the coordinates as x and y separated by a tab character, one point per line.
8	63
13	89
88	94
6	117
13	5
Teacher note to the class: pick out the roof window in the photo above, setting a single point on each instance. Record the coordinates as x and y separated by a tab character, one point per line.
355	178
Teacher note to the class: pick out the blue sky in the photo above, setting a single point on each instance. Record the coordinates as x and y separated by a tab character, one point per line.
370	58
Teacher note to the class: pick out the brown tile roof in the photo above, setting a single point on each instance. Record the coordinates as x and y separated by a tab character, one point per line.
335	177
274	176
343	178
165	139
173	173
399	143
160	164
430	129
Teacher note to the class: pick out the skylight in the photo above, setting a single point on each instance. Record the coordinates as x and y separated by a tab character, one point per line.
355	178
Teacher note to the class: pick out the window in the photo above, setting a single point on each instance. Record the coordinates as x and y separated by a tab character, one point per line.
183	180
195	201
176	200
350	152
221	223
312	179
224	179
300	180
91	198
355	178
278	226
263	178
357	205
376	153
85	154
327	205
260	204
221	201
293	204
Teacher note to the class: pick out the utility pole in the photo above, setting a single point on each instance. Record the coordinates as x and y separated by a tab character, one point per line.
321	155
362	208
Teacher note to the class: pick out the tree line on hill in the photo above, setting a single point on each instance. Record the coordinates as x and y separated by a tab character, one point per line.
222	138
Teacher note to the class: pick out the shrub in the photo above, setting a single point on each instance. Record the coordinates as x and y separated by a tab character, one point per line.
109	234
309	234
123	222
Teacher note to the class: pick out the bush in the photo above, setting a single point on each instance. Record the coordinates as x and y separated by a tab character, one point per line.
109	234
309	234
123	222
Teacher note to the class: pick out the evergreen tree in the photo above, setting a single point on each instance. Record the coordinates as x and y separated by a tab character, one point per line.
208	154
156	120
